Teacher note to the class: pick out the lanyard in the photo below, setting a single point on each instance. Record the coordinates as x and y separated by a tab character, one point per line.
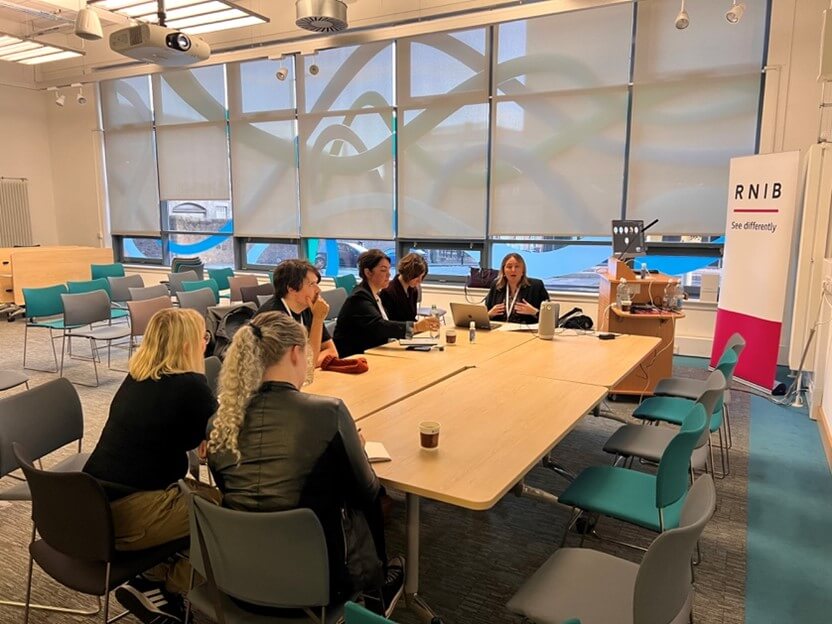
510	306
381	308
290	313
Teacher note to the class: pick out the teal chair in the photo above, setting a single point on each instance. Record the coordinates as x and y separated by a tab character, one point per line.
42	306
347	282
646	500
107	270
673	410
220	276
101	283
200	284
356	614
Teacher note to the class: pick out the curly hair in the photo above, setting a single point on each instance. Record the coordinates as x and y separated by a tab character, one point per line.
254	348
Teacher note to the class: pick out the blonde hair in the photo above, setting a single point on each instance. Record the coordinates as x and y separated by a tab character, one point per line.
502	282
255	347
170	345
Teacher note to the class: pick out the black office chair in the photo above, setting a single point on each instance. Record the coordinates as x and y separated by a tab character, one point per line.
250	293
76	543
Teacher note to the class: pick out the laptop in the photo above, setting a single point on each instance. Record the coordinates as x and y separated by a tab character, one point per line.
464	313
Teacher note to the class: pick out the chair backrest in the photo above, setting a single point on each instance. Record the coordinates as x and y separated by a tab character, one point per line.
220	276
711	399
240	281
356	614
86	308
212	372
44	301
663	583
276	559
86	286
115	269
143	310
199	300
335	298
175	280
70	511
672	477
726	365
262	299
178	265
148	292
347	282
120	286
250	293
42	419
199	284
736	343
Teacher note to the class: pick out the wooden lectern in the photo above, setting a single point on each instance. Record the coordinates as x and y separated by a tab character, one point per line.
658	364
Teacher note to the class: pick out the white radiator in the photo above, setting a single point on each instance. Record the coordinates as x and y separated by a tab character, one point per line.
15	221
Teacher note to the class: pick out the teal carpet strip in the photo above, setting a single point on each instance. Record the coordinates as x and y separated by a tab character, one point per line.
789	548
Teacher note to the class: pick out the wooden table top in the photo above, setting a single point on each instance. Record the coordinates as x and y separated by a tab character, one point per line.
487	345
387	381
488	440
578	358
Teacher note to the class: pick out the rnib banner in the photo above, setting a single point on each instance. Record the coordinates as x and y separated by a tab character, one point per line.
762	202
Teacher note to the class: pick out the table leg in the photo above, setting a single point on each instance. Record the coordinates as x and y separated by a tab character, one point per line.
411	586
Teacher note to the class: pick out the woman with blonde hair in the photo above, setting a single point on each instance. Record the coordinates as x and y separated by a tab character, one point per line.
274	448
515	297
159	413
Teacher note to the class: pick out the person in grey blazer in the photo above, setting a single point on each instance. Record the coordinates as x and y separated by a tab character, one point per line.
515	297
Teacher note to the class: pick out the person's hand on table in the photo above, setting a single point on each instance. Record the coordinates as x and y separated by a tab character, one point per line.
497	310
524	307
428	323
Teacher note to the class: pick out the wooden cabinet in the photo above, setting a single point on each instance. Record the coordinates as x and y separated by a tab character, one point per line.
662	325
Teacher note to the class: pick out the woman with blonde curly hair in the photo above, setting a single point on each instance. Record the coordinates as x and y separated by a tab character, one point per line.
274	448
159	413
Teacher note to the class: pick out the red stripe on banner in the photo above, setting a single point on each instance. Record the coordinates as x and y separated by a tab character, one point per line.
758	362
756	210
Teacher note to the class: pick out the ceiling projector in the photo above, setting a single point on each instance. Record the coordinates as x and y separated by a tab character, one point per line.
156	44
321	15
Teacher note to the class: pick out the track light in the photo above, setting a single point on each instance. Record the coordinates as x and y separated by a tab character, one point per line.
734	14
60	99
282	73
314	69
682	20
80	97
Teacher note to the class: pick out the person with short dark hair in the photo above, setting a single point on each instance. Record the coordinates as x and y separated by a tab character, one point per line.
515	297
401	297
363	323
296	293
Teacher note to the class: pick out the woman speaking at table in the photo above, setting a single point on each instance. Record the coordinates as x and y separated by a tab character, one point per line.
363	323
515	297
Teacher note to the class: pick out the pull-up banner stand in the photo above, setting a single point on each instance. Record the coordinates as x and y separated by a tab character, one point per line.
762	202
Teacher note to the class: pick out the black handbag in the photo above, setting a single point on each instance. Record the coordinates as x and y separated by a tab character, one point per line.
364	569
479	278
574	319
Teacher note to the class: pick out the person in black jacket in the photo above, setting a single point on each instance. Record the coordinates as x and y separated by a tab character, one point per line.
157	415
515	297
274	448
401	297
363	323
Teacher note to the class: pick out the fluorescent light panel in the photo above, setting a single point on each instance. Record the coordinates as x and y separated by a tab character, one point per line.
193	16
17	50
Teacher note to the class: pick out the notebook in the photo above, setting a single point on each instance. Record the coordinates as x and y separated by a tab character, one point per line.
376	452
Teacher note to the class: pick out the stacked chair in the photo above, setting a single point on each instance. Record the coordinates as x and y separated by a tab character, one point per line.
178	265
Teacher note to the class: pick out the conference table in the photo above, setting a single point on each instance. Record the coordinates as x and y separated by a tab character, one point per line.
503	403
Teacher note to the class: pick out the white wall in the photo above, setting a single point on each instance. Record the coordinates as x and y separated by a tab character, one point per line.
26	153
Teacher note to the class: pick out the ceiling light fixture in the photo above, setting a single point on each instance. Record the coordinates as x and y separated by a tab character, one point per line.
193	17
87	25
734	14
682	20
28	52
80	97
60	99
321	15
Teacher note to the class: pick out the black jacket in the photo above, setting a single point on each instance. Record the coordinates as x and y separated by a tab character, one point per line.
535	293
299	450
360	325
401	305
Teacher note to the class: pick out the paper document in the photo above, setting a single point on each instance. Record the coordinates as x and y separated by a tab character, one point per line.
419	340
532	327
376	452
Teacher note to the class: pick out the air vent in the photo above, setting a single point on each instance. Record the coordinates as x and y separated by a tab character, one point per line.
321	15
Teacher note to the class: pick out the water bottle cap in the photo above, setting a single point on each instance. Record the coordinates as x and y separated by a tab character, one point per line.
472	325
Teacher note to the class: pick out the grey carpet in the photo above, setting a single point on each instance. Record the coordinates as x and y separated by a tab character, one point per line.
472	562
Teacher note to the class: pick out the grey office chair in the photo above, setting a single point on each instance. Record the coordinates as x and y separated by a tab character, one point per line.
43	420
12	379
140	314
80	312
238	282
199	300
149	292
212	372
250	294
274	560
597	588
335	298
175	280
120	287
182	264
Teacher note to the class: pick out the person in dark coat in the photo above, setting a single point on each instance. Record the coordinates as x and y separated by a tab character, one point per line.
515	297
401	297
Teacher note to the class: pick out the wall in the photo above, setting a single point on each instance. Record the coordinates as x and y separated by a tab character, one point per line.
26	153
